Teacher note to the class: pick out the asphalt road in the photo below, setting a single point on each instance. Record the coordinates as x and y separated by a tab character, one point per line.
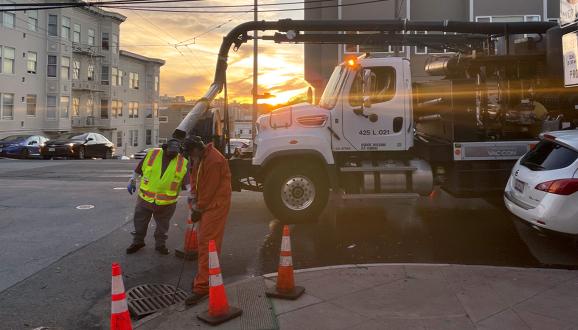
55	259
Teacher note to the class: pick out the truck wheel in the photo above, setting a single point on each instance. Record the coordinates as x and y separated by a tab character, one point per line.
296	192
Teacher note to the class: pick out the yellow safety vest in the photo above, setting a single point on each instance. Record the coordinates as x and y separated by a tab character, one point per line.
157	189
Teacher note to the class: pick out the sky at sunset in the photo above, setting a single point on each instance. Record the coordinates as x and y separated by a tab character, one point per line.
190	67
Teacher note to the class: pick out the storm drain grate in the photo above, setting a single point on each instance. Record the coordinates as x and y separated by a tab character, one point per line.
149	298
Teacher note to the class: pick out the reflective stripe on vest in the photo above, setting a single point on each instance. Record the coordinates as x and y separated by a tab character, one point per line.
153	157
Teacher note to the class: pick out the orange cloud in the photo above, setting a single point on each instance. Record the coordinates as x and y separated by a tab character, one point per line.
190	65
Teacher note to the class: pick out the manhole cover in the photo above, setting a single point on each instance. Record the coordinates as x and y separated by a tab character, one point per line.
84	207
149	298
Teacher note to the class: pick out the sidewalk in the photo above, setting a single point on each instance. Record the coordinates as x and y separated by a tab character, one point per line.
400	296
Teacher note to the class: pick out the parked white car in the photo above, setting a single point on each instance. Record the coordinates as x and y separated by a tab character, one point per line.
543	186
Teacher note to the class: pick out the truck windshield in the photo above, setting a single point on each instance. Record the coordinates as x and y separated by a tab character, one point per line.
333	88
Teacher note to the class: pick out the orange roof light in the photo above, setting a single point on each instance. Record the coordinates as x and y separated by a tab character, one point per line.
351	62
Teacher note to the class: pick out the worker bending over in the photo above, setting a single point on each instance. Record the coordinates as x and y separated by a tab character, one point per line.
211	200
163	172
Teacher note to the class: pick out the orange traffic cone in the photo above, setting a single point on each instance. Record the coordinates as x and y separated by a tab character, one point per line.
119	315
191	242
219	309
285	288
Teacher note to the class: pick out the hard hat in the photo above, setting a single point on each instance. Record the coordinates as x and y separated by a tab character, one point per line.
194	142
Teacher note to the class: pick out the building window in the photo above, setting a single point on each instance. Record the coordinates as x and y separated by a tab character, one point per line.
120	108
135	138
65	29
155	109
104	42
104	109
90	107
32	20
508	18
31	105
163	119
133	80
76	33
65	68
90	37
149	137
114	43
51	106
7	55
114	108
75	107
104	75
156	83
90	73
7	109
420	50
75	69
32	63
119	139
53	25
114	80
64	106
133	109
52	63
120	77
8	17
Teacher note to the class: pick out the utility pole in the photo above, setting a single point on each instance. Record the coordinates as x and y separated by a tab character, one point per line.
255	77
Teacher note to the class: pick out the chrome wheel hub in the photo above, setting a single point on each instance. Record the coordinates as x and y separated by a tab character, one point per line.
298	193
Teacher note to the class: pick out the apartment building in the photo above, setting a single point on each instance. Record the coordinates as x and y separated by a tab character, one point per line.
321	59
62	70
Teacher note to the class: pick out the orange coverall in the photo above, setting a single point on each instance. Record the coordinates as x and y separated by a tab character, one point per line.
211	181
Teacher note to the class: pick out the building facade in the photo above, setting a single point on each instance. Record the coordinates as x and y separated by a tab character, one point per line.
62	70
321	59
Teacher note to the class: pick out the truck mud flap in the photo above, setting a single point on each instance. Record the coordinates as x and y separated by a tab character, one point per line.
243	175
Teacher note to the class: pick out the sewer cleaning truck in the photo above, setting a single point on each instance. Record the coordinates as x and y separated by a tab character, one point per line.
375	134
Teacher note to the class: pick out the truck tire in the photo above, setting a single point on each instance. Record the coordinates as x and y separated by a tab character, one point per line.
296	192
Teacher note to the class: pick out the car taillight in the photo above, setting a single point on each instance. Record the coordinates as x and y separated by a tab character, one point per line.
312	121
559	187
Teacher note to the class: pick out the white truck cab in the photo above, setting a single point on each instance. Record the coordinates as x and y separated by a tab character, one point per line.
359	135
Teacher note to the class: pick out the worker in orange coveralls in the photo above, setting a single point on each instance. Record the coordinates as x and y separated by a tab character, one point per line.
210	203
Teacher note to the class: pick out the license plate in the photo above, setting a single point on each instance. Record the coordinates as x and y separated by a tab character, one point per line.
519	186
51	149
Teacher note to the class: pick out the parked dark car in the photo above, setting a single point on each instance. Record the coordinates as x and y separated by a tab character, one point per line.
21	146
78	145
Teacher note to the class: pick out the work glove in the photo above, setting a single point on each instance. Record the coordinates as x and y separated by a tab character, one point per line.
196	215
131	187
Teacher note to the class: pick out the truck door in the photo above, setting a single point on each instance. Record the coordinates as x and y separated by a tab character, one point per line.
373	109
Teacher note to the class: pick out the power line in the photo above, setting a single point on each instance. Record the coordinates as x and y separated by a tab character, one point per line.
160	9
138	2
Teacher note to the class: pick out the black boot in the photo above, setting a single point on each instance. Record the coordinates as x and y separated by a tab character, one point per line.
195	298
162	250
134	247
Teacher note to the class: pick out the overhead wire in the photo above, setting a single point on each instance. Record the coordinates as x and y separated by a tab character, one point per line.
4	8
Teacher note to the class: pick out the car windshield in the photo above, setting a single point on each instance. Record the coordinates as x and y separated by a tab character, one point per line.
14	138
333	88
549	155
73	136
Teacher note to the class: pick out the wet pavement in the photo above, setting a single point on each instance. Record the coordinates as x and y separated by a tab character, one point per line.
59	262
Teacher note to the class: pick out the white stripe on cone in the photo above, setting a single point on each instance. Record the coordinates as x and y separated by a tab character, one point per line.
118	306
285	244
213	260
216	280
117	285
285	261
